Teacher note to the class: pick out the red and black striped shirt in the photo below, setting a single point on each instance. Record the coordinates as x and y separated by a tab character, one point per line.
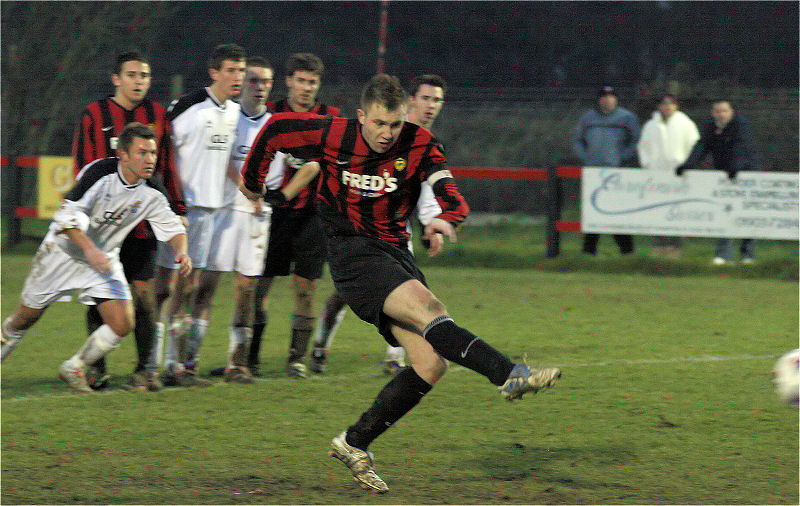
361	192
305	200
100	125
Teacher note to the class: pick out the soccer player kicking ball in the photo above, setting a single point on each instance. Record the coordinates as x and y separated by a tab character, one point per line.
81	249
371	170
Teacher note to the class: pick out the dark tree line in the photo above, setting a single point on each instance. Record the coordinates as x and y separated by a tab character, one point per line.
56	56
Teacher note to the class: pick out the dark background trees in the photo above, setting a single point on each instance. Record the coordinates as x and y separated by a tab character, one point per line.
496	56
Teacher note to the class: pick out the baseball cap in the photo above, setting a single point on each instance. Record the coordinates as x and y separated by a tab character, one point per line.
606	90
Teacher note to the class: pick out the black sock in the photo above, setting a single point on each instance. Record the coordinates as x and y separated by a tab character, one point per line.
462	347
302	326
395	400
329	316
259	324
144	333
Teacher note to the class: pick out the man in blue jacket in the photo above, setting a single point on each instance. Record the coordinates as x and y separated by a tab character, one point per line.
727	136
606	137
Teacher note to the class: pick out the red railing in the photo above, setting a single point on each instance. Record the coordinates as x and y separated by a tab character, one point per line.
22	162
499	173
555	225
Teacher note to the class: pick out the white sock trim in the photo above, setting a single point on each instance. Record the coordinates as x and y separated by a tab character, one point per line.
199	328
11	338
14	334
105	338
436	321
76	363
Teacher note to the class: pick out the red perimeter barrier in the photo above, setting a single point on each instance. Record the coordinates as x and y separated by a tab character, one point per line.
14	166
554	224
26	212
568	226
575	173
24	162
28	162
498	173
509	174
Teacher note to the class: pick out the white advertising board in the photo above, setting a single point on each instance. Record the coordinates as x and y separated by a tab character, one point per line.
702	203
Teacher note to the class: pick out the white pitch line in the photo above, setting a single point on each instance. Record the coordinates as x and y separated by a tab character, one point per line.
704	358
453	368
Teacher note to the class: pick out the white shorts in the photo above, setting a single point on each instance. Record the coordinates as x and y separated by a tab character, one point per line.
240	241
199	236
55	275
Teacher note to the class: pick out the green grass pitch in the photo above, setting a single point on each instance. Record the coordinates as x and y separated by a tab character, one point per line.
666	396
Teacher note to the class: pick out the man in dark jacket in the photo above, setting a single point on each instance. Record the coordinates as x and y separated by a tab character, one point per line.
729	139
606	136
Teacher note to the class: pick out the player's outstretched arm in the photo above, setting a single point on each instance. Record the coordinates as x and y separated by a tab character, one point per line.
433	232
304	175
96	257
307	172
179	244
435	244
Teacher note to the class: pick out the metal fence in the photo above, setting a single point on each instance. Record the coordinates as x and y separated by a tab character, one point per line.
498	127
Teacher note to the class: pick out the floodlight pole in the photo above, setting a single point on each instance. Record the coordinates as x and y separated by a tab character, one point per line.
382	35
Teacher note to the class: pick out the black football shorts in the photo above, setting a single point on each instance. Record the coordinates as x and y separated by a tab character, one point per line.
138	257
365	270
295	238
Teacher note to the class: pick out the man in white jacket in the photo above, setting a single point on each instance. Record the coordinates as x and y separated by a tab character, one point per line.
666	141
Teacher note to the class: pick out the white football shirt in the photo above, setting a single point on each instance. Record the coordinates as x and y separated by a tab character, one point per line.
203	132
246	132
106	208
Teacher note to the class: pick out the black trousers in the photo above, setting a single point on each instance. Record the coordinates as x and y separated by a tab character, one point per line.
625	243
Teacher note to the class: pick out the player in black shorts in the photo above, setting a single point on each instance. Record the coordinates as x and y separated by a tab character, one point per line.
296	246
295	237
389	266
296	234
371	171
425	101
96	137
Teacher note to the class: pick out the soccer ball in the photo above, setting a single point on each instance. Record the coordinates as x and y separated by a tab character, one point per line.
786	378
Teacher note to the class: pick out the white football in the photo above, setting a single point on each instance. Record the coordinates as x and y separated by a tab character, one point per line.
786	377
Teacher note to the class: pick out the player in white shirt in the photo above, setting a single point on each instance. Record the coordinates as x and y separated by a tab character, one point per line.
425	102
81	249
203	130
241	227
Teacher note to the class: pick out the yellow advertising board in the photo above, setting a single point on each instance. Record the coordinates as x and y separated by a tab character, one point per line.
55	179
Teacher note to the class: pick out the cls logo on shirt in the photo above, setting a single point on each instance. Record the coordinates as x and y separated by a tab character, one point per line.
218	142
111	217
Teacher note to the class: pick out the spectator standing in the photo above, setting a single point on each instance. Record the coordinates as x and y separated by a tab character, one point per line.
667	139
96	137
606	136
728	137
81	249
204	127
